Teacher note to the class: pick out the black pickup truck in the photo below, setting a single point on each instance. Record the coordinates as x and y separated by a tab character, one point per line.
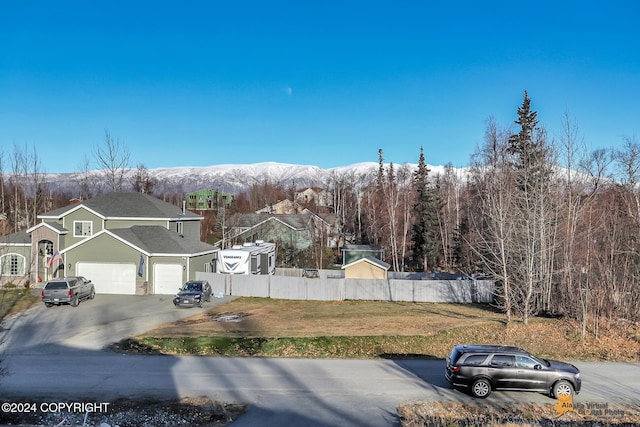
68	290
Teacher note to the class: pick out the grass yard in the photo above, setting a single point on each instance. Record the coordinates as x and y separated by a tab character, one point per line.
13	301
365	329
291	318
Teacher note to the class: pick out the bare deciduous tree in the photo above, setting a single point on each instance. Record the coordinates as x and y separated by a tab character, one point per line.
392	195
493	188
38	187
3	209
88	184
27	188
344	189
450	186
142	181
113	158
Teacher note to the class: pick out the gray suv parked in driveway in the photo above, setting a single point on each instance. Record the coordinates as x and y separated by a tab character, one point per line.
67	290
483	368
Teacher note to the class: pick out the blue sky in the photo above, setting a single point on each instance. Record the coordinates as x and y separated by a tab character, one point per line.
201	83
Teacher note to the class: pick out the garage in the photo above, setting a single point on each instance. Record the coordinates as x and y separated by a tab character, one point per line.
167	278
110	278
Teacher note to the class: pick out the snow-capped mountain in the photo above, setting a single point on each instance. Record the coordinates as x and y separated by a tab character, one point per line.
237	178
233	178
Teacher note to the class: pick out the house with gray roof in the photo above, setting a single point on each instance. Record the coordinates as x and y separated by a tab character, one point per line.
126	243
295	230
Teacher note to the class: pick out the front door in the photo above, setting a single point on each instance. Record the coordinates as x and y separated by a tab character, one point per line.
531	374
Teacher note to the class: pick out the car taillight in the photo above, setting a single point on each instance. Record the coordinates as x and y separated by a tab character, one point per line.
69	293
43	293
455	369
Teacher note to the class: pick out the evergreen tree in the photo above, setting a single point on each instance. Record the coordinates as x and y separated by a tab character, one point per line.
522	142
425	224
528	148
380	175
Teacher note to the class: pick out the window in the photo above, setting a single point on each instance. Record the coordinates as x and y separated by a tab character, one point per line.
525	362
12	265
208	266
475	359
502	360
82	228
56	285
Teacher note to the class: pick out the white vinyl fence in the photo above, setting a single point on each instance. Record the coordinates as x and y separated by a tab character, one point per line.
336	288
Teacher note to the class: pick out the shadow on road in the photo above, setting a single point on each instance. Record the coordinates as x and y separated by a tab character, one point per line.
58	353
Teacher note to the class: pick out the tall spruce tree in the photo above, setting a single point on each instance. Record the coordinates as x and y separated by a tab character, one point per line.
523	141
425	224
528	150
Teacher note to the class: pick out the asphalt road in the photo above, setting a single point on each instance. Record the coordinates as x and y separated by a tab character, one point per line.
57	353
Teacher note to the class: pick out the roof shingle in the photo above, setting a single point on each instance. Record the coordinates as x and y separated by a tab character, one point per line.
127	205
156	239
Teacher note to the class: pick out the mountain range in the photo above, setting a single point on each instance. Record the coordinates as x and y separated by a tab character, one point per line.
233	178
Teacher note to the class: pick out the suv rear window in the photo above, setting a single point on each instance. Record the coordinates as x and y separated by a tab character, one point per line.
455	355
56	285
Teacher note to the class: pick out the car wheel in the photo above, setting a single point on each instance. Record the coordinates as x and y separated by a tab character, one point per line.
48	304
92	295
562	388
75	301
481	388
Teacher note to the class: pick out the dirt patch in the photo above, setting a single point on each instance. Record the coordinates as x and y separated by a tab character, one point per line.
215	317
229	317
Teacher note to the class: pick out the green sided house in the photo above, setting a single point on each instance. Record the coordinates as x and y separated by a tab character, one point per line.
293	230
126	243
15	258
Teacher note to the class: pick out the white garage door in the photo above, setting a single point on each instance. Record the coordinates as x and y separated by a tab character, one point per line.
167	278
110	278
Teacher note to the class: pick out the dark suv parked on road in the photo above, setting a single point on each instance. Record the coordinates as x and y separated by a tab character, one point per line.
483	368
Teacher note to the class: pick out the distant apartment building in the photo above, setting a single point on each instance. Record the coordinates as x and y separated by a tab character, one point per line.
204	200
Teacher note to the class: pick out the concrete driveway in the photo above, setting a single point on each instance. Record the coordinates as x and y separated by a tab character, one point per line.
92	325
